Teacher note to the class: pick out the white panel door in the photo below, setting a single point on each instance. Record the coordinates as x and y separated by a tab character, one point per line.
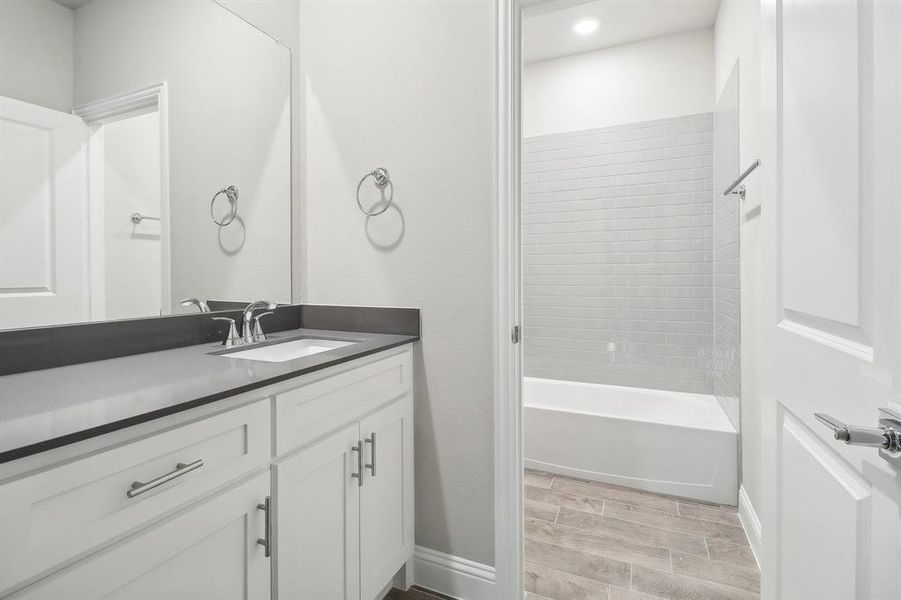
209	552
832	296
386	497
317	519
43	216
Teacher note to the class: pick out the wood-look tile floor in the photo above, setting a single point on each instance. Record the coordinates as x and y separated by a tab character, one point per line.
412	594
593	541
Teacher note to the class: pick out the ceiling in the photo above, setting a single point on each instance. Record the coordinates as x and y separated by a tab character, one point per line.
73	4
548	33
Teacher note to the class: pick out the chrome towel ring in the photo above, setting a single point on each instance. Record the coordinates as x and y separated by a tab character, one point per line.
231	192
382	180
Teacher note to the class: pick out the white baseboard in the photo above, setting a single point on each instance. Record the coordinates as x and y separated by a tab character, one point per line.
721	491
750	521
453	576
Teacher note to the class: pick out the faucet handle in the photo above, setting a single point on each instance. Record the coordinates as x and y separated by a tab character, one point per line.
232	339
200	304
258	335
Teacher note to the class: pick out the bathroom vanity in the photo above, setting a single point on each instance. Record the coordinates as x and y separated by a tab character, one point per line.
147	448
203	475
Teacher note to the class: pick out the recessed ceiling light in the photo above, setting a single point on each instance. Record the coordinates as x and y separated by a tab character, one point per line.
586	26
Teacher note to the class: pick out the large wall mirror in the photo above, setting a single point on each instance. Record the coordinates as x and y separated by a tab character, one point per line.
145	160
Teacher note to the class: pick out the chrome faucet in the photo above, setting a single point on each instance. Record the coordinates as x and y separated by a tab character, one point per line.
200	304
247	329
231	339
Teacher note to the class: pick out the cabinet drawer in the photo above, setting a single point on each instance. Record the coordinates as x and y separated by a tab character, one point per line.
56	515
209	552
310	411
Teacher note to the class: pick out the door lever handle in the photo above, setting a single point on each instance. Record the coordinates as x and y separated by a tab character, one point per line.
877	437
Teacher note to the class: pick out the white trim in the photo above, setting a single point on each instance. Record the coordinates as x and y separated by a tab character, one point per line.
154	98
454	576
508	500
750	521
508	454
130	104
836	342
96	225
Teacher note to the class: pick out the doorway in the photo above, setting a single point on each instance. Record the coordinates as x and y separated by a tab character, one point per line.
631	315
129	204
828	338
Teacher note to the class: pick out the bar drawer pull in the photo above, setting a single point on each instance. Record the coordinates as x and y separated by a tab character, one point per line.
266	542
139	487
358	448
371	441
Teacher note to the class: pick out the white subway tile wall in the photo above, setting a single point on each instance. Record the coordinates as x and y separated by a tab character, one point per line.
726	274
617	255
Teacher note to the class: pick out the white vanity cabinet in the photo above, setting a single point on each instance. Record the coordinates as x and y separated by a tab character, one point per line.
177	508
344	509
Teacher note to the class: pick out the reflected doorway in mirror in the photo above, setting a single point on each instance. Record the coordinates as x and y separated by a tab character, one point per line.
128	165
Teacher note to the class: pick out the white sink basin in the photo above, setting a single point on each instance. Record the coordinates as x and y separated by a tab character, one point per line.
289	350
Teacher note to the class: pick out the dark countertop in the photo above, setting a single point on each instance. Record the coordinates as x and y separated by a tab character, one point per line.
45	409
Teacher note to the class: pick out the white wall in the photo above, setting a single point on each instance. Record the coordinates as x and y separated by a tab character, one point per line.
410	86
131	183
229	123
737	36
36	52
659	78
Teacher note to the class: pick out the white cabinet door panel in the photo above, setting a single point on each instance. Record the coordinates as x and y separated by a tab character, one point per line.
317	511
386	497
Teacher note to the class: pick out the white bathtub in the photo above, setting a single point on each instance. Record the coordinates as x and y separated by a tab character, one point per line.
666	442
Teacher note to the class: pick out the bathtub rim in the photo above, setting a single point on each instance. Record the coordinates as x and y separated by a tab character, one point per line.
725	426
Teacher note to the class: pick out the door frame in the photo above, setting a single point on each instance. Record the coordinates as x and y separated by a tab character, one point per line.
769	184
508	456
508	373
154	98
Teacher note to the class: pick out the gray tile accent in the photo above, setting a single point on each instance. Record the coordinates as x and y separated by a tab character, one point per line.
726	255
618	254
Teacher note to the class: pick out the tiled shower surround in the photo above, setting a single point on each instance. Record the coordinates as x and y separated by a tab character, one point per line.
618	255
726	274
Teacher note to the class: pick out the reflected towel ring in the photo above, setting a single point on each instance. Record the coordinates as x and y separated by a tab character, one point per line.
231	192
382	180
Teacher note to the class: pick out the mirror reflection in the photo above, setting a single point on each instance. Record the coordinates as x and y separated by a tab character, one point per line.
144	160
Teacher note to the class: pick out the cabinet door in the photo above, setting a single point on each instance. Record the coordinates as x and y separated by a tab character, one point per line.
317	504
209	552
386	497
